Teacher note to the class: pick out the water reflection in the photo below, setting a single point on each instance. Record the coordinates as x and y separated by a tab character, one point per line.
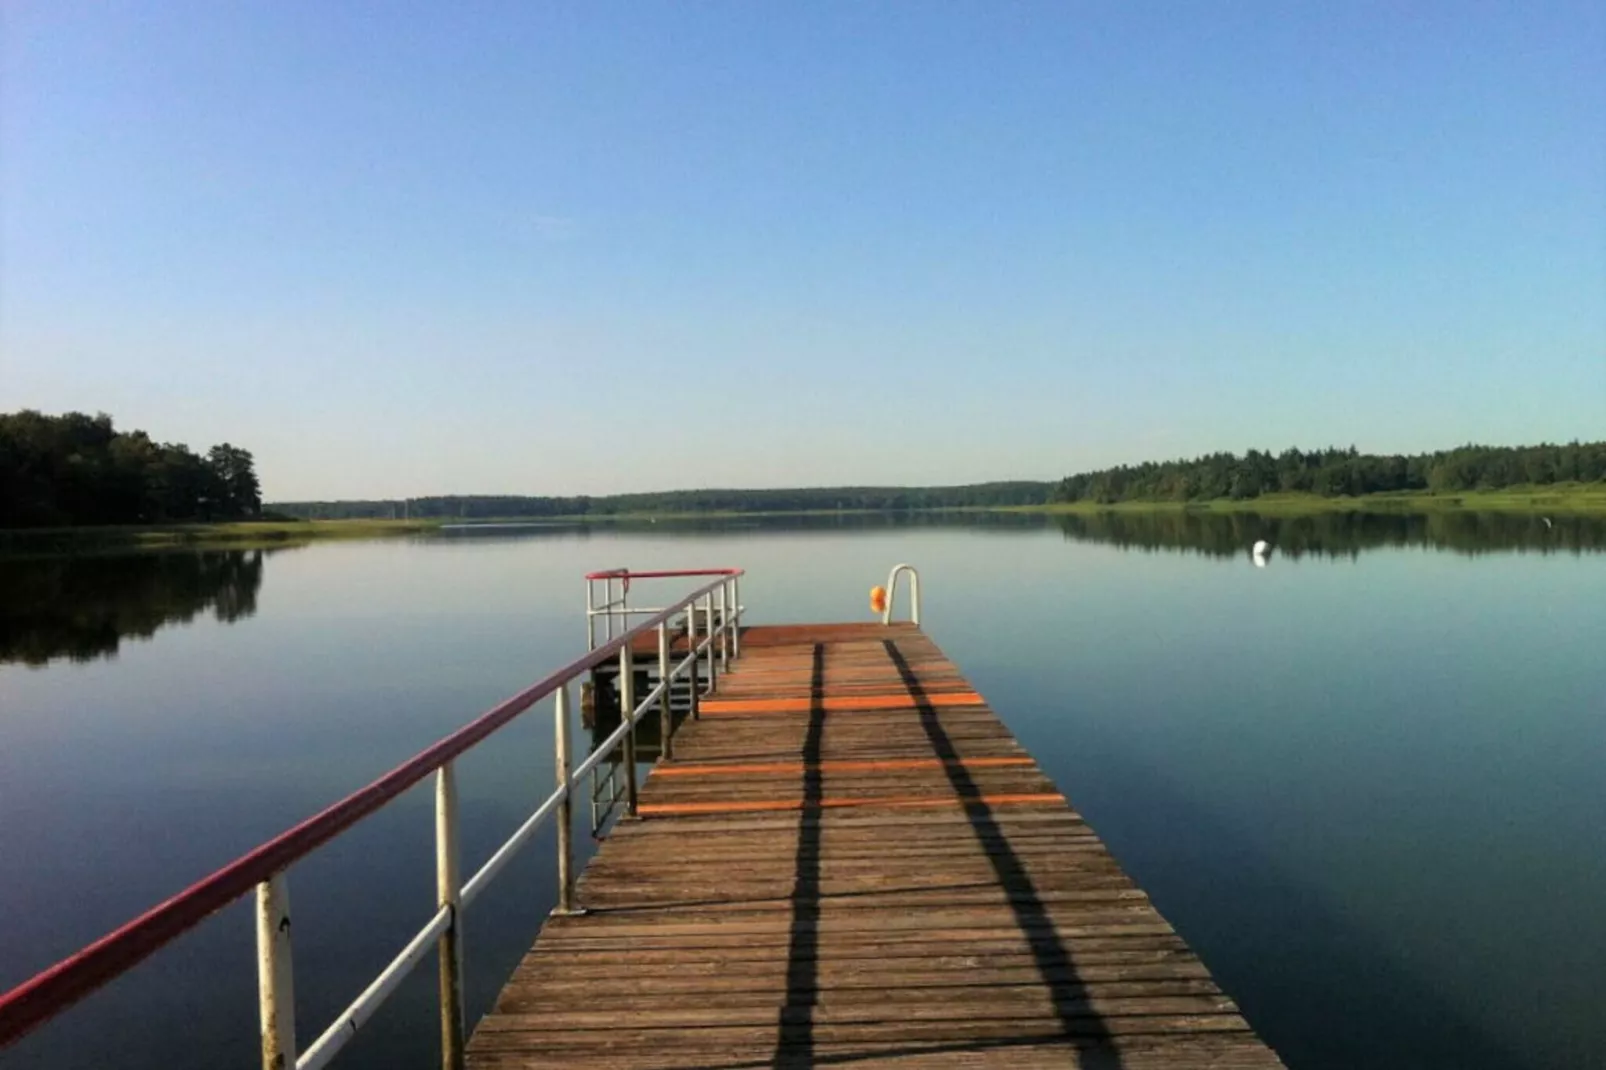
1214	534
82	608
702	527
1335	534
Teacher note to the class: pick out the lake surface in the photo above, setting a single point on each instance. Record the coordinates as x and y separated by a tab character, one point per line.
1367	782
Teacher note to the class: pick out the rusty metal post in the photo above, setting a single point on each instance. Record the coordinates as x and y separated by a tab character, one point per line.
666	719
560	732
448	892
275	974
627	709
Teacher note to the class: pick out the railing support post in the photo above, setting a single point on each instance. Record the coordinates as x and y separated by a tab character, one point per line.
708	632
627	709
560	734
448	892
691	648
275	974
624	604
666	718
724	631
591	615
736	618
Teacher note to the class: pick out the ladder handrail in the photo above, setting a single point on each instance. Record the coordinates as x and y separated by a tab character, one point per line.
892	593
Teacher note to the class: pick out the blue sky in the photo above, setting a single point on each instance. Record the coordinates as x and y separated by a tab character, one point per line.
552	248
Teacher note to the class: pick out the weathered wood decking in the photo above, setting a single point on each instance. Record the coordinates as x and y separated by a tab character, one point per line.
851	861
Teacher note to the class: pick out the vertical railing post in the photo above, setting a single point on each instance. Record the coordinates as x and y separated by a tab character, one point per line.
591	617
708	633
607	614
624	605
724	631
666	719
627	708
275	974
560	734
736	614
691	648
448	889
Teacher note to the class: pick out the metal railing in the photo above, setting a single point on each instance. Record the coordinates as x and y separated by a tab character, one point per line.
616	607
265	869
892	593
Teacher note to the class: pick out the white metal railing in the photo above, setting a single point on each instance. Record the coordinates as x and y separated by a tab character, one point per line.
266	868
615	609
892	593
719	640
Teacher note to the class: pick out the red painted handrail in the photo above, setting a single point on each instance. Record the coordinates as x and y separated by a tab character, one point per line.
660	574
47	994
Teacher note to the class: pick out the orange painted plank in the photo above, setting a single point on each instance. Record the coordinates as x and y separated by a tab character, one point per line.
880	765
893	801
904	701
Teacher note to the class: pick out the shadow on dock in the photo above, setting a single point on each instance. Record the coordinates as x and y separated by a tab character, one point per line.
794	1047
1083	1027
954	910
1080	1021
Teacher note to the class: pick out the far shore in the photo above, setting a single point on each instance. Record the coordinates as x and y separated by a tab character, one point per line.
1561	499
1567	498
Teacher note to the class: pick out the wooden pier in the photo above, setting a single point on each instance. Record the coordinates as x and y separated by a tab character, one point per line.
851	861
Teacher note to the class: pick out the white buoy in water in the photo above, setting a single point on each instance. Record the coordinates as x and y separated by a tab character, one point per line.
1259	551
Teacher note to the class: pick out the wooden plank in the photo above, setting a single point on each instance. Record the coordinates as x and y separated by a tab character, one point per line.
851	860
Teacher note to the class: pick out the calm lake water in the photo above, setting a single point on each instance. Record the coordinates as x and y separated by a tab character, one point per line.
1367	782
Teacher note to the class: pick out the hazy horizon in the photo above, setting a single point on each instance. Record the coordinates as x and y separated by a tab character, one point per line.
565	250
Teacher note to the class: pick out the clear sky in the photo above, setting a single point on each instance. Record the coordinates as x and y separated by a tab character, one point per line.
400	249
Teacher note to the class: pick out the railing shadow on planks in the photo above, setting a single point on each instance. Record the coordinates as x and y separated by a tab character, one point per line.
707	647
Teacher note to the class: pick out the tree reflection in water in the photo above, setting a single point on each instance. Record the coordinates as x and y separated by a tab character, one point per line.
1335	534
82	608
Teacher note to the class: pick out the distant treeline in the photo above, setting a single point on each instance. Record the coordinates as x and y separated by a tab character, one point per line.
809	499
1337	472
58	471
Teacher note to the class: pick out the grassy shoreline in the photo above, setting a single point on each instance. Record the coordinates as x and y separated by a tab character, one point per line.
1571	499
233	535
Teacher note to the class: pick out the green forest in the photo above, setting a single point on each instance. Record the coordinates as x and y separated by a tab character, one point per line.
78	470
61	471
807	499
1329	473
1334	473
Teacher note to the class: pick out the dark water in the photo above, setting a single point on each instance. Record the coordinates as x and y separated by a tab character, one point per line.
1364	781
